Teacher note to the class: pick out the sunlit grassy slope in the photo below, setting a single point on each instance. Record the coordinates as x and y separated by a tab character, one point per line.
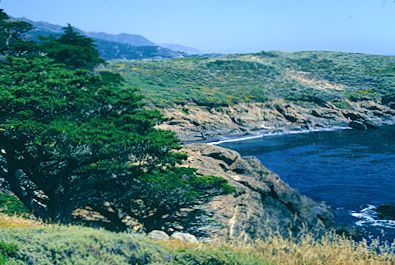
305	76
40	244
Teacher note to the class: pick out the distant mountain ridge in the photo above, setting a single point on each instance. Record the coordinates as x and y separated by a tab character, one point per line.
132	39
48	28
110	46
180	48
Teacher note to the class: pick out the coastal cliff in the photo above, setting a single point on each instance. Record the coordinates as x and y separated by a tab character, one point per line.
195	123
262	204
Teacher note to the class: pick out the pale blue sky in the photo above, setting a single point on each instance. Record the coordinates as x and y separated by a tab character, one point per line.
230	25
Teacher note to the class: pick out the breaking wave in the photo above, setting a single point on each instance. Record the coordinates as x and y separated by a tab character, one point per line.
369	217
260	135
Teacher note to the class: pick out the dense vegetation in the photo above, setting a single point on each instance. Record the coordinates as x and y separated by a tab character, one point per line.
303	76
73	138
75	245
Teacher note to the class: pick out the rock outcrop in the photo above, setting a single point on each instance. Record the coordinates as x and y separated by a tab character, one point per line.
262	204
158	235
184	237
386	212
195	123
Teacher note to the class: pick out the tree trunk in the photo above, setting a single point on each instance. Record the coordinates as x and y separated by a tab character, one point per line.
116	222
12	178
59	209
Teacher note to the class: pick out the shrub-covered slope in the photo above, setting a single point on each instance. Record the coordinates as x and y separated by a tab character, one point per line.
206	98
301	76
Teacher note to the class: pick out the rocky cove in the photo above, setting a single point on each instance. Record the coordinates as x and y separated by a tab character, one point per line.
195	123
263	203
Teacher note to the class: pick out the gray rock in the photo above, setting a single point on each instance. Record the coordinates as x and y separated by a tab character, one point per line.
193	122
184	237
262	204
225	155
386	211
371	124
358	125
158	235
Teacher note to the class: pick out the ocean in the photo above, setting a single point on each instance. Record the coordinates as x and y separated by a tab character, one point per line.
353	171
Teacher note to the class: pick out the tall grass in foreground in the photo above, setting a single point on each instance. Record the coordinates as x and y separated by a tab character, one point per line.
331	249
7	221
36	243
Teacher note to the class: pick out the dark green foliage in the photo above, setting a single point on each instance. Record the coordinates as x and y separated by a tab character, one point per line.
158	195
83	140
208	183
61	128
6	250
216	256
72	138
11	205
72	49
10	32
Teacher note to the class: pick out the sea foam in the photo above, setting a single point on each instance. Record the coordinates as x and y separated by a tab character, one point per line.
369	217
260	135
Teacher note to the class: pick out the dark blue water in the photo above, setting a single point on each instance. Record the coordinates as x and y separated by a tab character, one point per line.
352	171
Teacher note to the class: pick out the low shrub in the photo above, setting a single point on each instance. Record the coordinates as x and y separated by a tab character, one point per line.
5	251
10	204
84	246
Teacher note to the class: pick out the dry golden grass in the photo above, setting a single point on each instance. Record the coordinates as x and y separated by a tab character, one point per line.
330	250
17	222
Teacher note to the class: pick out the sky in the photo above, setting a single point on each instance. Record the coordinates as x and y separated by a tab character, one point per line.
230	26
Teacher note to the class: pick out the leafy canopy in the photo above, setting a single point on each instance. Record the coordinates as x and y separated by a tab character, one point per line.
73	138
72	49
10	32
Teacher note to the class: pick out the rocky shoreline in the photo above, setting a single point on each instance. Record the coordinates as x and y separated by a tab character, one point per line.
260	134
263	202
198	124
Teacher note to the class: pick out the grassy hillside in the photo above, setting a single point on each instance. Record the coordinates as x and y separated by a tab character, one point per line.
306	76
28	242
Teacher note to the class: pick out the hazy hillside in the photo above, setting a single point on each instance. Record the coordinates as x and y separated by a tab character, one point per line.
45	28
110	46
180	48
110	50
132	39
301	76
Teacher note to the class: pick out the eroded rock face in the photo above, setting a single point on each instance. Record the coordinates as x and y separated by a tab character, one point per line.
194	123
262	204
